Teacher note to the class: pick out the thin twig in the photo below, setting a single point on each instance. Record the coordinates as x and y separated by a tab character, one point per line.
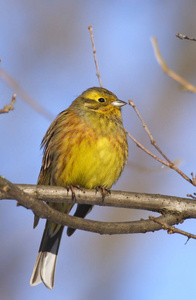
153	142
90	28
171	229
169	163
191	196
185	37
15	86
10	106
186	85
147	151
193	178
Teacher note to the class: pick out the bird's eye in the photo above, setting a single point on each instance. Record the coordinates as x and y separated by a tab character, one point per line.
101	100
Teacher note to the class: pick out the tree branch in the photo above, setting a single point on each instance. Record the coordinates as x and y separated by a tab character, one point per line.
151	202
90	28
172	229
185	84
174	209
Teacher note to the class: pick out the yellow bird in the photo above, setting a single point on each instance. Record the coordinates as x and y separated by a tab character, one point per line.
85	146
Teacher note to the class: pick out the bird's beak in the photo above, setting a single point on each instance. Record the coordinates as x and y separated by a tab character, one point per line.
118	103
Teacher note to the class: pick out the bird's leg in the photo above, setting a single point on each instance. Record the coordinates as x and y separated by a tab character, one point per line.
104	192
78	187
73	194
71	187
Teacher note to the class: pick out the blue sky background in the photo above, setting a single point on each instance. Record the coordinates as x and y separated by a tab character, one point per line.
45	46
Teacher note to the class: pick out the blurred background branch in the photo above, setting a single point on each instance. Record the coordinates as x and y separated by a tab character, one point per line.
24	95
184	83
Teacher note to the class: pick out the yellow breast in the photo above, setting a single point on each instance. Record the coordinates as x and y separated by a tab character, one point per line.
89	157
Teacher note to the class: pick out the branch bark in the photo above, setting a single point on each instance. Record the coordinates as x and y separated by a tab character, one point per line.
174	209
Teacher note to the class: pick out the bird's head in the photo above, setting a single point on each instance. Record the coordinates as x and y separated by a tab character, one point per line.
100	100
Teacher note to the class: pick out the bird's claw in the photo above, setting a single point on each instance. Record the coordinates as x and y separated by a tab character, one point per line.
73	194
104	192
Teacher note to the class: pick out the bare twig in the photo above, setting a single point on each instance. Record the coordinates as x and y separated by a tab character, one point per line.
147	151
90	28
153	142
10	106
185	37
11	82
171	229
168	162
193	178
186	85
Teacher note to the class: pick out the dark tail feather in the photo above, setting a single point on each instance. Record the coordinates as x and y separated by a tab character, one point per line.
45	265
81	212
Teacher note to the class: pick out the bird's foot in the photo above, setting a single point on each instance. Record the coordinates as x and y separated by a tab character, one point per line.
104	192
73	194
71	188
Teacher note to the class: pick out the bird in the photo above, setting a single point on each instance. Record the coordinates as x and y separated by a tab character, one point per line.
86	147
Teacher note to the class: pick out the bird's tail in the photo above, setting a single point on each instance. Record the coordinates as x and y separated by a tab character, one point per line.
45	265
81	212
